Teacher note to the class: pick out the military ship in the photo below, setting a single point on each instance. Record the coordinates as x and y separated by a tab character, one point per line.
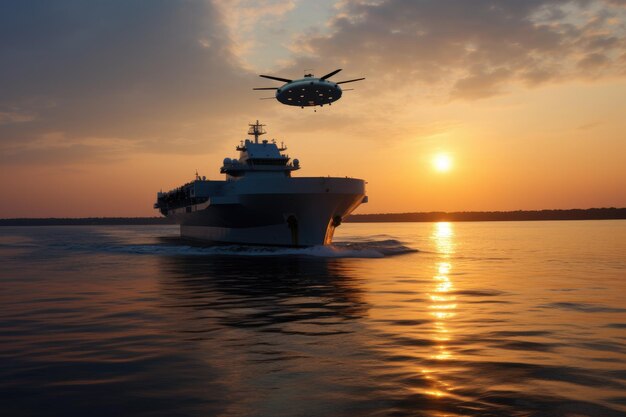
259	202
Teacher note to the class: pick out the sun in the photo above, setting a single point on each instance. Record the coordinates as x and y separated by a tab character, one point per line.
442	162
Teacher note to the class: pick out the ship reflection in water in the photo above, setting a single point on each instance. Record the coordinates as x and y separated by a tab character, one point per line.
486	319
271	293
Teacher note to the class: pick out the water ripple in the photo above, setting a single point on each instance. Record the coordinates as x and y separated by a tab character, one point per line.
483	320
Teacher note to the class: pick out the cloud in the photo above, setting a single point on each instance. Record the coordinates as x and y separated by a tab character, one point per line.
481	84
245	19
589	126
55	148
168	76
475	48
7	117
140	71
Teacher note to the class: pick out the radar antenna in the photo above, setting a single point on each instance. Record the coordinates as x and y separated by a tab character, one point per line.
257	130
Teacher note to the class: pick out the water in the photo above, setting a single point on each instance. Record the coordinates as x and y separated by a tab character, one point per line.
415	319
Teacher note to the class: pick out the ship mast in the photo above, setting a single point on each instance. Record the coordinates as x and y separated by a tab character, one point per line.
256	130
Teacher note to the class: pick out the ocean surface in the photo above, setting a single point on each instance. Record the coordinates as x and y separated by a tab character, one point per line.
395	319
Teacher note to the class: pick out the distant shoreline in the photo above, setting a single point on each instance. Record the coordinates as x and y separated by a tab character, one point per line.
610	213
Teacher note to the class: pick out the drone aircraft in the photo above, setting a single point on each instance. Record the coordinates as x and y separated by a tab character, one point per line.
307	91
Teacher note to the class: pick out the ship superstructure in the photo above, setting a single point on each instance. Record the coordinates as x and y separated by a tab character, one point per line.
259	202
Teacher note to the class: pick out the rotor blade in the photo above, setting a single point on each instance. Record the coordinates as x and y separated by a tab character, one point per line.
268	98
266	88
276	78
347	89
350	81
330	74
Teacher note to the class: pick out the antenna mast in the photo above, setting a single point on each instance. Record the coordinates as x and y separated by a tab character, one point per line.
256	130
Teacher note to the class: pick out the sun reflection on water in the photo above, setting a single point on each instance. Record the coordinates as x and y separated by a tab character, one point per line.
442	303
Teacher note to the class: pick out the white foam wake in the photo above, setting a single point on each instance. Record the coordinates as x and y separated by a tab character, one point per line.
373	249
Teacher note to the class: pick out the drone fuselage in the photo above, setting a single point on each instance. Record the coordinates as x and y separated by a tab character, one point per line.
308	91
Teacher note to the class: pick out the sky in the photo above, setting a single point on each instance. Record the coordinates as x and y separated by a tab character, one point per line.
104	103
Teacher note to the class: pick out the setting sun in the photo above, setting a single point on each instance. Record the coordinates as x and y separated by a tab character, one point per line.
442	162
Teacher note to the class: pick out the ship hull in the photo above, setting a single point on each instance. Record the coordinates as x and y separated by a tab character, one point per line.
295	212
